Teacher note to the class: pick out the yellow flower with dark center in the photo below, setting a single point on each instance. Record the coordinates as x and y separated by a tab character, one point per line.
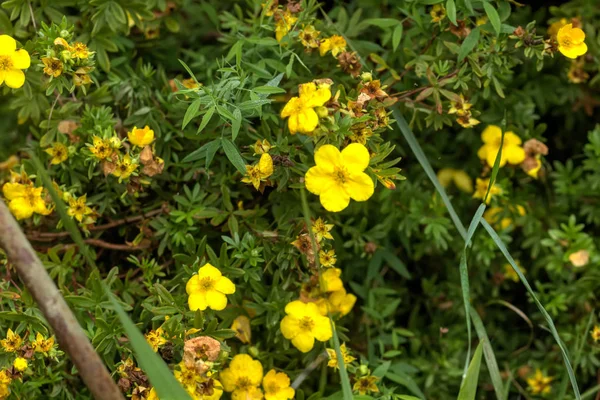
78	208
284	24
595	333
467	121
82	77
571	41
512	151
330	280
366	384
321	229
309	37
243	378
346	356
301	110
260	172
460	178
141	136
52	66
336	44
277	386
20	364
327	258
80	50
540	383
339	177
58	152
12	61
241	326
340	302
156	338
481	188
460	106
24	200
208	289
12	342
188	377
41	344
101	148
510	273
124	167
303	324
438	13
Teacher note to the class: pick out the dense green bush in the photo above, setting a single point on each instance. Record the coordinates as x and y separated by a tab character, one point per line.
197	147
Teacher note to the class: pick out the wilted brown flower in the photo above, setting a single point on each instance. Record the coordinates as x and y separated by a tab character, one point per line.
199	350
350	63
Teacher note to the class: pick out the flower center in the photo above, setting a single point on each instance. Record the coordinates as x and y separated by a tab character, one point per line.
566	42
30	196
244	383
307	324
6	63
207	283
272	388
340	174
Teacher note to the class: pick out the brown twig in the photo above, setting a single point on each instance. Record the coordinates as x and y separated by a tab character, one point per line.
71	337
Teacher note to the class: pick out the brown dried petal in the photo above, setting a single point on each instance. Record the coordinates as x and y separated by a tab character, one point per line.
146	155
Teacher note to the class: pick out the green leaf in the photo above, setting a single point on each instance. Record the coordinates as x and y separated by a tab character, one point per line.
153	366
206	118
488	354
469	44
234	156
493	16
191	112
468	389
236	123
382	22
268	90
451	11
397	36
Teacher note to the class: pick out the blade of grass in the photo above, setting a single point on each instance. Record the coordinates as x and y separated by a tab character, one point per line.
346	388
159	374
539	305
488	353
468	389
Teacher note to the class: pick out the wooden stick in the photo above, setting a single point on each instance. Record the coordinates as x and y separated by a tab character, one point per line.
71	338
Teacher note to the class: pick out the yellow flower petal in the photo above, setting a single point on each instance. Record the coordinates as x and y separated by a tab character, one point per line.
14	78
13	190
356	157
318	179
207	270
491	157
292	105
192	285
289	327
327	157
265	165
514	154
224	285
510	139
295	308
7	45
360	187
198	301
21	59
303	342
216	300
334	199
305	121
20	208
491	134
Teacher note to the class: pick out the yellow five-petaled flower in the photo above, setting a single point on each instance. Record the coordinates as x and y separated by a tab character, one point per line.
303	324
243	377
208	289
301	110
571	41
511	147
24	200
141	136
12	61
339	177
260	172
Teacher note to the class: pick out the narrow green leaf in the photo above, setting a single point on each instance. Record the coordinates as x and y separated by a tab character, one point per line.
397	36
488	354
153	366
233	155
468	389
268	89
451	11
191	112
493	16
206	118
469	44
236	123
188	70
382	22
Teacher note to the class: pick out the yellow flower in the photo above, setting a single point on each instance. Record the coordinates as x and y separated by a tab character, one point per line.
336	44
338	177
242	378
58	152
340	302
510	273
241	326
41	344
309	37
321	229
481	187
481	20
277	386
460	107
78	208
366	384
24	200
300	110
333	361
493	216
258	173
52	66
595	333
284	24
511	148
188	377
262	146
303	324
571	41
208	289
467	121
539	383
555	26
101	148
4	384
579	258
534	169
330	280
141	137
20	364
156	338
12	342
190	83
327	258
124	167
12	61
457	176
80	50
438	13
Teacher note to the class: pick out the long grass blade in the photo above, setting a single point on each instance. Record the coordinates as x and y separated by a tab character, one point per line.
488	354
468	389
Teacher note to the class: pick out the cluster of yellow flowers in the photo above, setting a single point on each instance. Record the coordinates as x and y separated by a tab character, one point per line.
74	59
